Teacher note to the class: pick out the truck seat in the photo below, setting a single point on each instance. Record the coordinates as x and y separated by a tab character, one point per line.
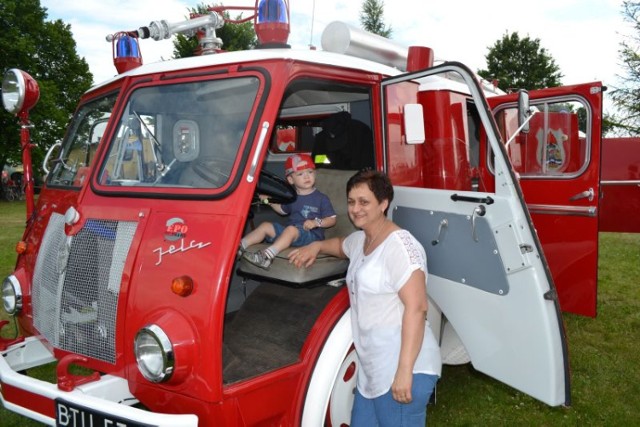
333	183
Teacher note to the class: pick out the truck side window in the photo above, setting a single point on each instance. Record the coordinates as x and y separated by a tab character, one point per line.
557	143
71	168
330	120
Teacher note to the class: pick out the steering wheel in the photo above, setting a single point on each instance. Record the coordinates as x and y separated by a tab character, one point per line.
276	188
214	170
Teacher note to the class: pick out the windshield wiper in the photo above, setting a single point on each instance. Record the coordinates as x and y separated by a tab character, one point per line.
160	167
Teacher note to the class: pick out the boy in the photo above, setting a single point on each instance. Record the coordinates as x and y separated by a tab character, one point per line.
309	215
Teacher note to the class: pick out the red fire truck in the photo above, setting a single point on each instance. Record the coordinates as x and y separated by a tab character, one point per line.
128	265
620	182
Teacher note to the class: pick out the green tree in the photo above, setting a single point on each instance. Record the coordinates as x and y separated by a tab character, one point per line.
520	64
46	50
234	36
627	97
372	20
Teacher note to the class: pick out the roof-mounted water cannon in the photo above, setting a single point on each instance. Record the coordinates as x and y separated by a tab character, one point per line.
204	26
271	23
126	50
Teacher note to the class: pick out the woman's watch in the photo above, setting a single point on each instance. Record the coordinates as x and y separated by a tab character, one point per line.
319	222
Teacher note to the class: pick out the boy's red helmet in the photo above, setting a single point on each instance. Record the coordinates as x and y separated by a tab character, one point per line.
298	162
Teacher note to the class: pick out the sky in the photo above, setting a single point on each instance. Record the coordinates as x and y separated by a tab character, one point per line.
582	36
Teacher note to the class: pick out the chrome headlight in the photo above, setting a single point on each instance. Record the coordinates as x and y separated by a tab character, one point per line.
11	295
154	353
20	91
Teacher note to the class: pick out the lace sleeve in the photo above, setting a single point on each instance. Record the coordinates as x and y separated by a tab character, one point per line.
407	256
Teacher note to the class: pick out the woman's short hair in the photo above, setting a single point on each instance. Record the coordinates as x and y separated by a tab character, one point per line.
378	182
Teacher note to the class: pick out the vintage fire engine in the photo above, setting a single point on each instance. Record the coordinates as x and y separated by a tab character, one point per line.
128	265
620	180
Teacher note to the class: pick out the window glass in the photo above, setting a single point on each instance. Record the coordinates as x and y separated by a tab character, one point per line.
71	168
331	121
557	143
180	135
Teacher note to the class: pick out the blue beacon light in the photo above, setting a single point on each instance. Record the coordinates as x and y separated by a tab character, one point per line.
272	23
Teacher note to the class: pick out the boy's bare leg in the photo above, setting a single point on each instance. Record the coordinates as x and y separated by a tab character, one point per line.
284	240
264	258
258	235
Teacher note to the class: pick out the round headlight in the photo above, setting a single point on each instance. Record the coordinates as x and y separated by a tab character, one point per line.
20	91
154	353
11	295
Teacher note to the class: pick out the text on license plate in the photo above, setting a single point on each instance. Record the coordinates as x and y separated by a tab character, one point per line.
72	415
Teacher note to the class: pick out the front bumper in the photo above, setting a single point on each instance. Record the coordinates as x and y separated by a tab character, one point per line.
35	399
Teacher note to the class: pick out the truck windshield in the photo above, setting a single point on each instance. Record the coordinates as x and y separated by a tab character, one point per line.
184	135
71	167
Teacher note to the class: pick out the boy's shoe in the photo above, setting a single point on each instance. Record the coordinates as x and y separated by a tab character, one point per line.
259	259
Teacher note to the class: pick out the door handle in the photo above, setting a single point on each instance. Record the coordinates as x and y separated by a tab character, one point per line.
443	225
586	194
478	211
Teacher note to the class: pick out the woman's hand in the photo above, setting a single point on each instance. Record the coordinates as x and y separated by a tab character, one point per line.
304	256
401	386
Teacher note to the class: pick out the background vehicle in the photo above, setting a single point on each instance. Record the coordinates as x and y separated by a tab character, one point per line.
620	185
128	263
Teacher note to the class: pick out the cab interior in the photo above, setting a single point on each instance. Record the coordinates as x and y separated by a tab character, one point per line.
271	312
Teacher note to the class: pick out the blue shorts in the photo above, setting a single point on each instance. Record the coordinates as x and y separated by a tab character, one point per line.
384	411
304	236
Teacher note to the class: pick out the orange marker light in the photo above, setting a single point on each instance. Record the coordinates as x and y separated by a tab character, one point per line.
21	247
182	286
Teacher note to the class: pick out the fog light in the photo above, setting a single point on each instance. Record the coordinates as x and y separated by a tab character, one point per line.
154	354
11	295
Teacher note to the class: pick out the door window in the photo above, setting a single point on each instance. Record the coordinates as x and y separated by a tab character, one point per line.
558	143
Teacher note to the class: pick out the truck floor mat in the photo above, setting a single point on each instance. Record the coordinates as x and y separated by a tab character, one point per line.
270	328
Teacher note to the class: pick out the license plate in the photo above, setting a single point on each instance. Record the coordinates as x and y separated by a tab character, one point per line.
72	415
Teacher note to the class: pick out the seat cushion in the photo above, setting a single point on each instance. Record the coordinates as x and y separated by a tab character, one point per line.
326	268
333	183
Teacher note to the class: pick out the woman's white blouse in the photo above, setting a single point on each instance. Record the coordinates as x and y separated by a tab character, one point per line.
376	309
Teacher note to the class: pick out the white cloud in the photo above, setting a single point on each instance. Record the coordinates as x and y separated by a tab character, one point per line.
583	36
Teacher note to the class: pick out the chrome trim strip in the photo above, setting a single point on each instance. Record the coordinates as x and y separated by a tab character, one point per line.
590	211
621	182
256	154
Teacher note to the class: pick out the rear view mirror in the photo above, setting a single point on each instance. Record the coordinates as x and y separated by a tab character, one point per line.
414	124
524	111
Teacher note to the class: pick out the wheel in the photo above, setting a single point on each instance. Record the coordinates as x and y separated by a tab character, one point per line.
277	188
329	396
342	394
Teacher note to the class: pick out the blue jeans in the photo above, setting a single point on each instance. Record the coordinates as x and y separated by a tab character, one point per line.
384	411
304	236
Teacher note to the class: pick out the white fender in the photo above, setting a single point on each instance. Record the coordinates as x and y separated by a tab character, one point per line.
326	371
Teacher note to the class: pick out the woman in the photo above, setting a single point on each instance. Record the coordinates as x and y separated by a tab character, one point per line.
399	357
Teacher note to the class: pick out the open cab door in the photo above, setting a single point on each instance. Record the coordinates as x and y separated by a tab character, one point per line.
492	299
558	164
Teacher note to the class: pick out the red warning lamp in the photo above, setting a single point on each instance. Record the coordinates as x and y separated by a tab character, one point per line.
126	51
272	23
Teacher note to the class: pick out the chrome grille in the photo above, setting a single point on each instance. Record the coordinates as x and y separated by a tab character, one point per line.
76	285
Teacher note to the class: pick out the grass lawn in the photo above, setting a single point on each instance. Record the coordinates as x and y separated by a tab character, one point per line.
604	353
